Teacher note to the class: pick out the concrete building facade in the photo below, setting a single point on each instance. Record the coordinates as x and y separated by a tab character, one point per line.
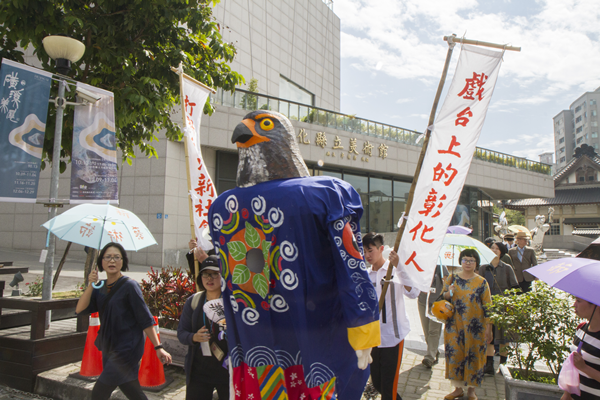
296	61
576	126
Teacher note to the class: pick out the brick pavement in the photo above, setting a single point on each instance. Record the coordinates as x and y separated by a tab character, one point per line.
418	382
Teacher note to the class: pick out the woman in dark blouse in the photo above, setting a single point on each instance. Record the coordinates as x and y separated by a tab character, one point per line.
205	370
124	318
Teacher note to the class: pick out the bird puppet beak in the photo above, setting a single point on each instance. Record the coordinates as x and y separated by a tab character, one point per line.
245	135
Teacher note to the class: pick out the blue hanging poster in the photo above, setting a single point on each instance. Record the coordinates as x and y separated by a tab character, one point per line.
24	94
94	157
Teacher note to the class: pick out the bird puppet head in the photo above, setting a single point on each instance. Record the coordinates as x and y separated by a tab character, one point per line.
267	148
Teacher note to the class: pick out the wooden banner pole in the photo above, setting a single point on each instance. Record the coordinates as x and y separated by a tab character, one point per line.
480	43
179	71
411	193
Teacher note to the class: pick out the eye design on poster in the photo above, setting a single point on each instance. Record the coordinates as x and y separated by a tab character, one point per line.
94	159
24	94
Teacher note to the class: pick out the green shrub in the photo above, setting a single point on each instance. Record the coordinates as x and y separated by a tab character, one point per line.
545	322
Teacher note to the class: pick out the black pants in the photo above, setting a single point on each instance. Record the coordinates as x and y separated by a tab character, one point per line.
525	286
204	391
131	390
385	370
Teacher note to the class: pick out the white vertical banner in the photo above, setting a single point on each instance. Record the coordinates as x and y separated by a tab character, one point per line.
454	135
203	193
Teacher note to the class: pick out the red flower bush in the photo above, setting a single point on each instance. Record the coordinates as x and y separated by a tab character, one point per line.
165	293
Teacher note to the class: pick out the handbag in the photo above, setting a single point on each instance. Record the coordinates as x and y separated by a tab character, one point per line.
441	308
568	379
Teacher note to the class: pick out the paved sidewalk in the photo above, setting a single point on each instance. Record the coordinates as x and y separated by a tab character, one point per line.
418	382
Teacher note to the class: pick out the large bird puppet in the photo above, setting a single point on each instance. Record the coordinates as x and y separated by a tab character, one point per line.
301	311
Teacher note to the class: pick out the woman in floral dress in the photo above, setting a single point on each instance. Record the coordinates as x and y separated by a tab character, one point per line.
468	331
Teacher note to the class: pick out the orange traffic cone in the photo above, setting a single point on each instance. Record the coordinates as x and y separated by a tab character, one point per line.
152	373
91	364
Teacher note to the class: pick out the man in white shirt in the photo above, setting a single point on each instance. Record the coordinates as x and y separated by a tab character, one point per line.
393	318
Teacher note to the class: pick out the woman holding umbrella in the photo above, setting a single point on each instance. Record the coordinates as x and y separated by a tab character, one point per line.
581	278
587	362
468	331
124	317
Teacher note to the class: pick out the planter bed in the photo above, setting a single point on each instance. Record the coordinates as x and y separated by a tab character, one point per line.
516	389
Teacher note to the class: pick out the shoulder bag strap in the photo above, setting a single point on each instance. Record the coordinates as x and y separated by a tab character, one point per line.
196	300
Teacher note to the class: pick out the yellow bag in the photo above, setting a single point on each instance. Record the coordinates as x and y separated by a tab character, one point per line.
442	309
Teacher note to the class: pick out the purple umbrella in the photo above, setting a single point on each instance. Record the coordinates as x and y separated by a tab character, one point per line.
458	229
577	276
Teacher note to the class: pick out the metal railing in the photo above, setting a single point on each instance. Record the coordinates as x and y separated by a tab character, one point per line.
313	115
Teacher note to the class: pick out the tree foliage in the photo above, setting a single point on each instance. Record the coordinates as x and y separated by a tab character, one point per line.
131	46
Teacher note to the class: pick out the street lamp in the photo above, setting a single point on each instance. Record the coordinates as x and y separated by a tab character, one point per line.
63	50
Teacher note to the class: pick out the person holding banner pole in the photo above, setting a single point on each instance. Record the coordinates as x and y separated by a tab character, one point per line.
195	253
394	321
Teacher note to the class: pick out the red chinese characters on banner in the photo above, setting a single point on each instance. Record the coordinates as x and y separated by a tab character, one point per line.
426	229
462	120
188	114
474	84
440	173
453	143
430	204
204	186
86	230
411	259
202	211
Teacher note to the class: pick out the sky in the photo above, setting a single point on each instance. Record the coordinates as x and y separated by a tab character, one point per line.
393	52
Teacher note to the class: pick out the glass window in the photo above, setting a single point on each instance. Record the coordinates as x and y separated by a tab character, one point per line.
361	185
554	227
290	91
320	172
380	205
227	164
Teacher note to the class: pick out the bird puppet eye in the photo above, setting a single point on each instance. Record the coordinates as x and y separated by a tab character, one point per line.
266	124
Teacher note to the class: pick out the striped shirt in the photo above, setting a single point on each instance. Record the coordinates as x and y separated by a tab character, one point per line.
590	388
